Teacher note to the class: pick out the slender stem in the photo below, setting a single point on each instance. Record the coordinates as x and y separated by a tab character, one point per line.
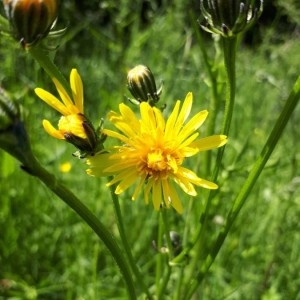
212	71
169	253
159	257
229	49
164	213
161	293
186	232
126	245
247	187
35	169
42	57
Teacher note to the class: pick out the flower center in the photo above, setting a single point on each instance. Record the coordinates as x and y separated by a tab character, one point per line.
161	162
72	124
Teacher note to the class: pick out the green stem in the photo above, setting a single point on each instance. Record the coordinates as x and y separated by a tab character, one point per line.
212	71
42	57
229	50
170	252
189	220
249	183
127	248
161	293
159	257
35	169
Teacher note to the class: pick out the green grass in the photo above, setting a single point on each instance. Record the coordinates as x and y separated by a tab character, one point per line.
47	252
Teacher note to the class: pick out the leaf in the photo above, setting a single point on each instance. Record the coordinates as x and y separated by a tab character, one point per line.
7	165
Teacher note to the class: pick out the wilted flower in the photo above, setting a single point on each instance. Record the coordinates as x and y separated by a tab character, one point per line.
153	152
73	126
230	17
142	86
31	20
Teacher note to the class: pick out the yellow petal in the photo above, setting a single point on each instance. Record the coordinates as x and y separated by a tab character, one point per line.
51	101
206	184
120	163
160	121
126	178
128	115
116	135
188	141
184	112
52	131
139	187
147	190
194	179
77	89
171	120
98	163
183	179
210	142
72	109
192	125
175	201
148	123
156	195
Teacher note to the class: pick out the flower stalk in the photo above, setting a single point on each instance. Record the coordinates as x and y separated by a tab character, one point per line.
249	183
15	141
89	218
42	57
121	228
164	223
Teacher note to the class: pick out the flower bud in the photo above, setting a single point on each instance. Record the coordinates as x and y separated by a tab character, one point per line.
13	136
141	84
230	17
9	111
31	20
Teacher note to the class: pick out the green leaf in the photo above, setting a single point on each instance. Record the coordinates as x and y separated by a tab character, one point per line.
7	165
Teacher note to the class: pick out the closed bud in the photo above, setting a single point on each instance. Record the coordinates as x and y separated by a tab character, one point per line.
31	20
230	17
9	111
142	86
13	136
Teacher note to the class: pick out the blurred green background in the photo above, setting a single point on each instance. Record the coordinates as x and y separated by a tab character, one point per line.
46	252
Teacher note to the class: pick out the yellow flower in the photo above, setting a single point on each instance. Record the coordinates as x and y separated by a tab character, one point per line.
153	152
65	167
73	126
72	119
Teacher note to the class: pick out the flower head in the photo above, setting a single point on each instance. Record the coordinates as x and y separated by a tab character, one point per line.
142	86
31	20
153	151
230	17
73	126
